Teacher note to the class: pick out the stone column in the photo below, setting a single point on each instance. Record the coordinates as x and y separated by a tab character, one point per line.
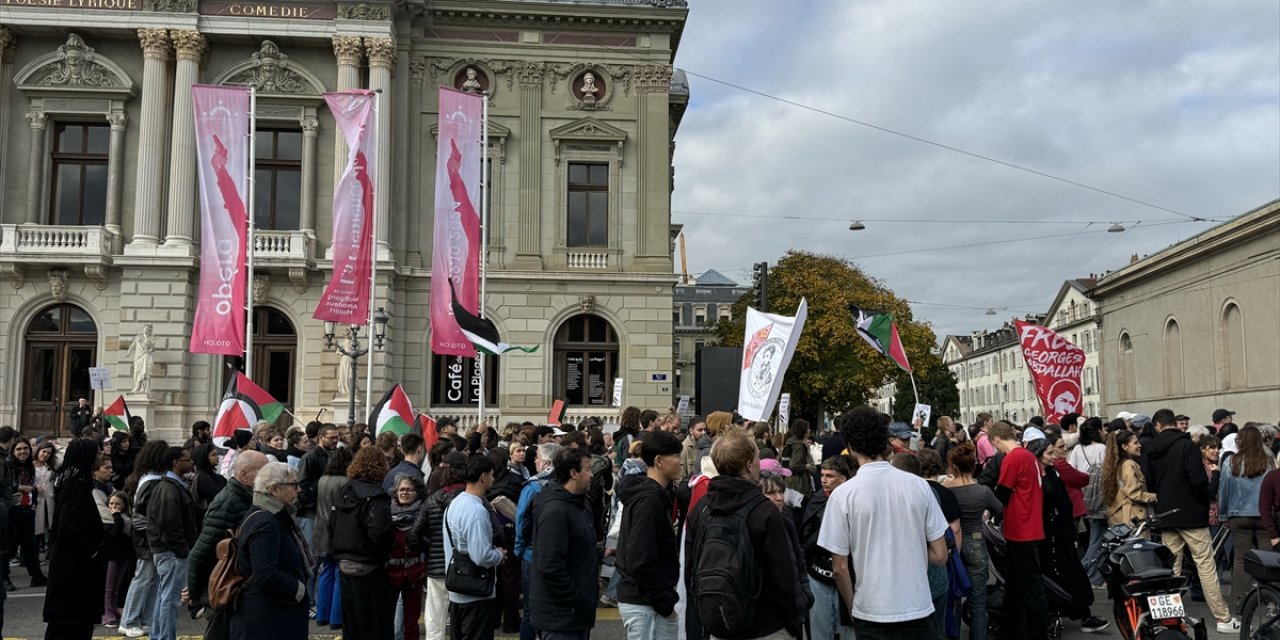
307	206
7	41
417	77
529	247
115	167
382	57
653	191
35	165
190	47
349	52
151	139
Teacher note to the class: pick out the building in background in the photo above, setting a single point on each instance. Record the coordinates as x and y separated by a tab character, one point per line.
1196	327
99	217
697	307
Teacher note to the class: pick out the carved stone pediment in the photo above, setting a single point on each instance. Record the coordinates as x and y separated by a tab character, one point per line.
75	66
271	72
588	130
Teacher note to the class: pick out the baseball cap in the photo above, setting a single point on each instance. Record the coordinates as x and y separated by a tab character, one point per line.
1031	433
1180	418
1219	414
900	430
769	465
1141	419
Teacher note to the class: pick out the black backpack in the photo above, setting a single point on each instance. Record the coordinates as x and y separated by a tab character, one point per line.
726	581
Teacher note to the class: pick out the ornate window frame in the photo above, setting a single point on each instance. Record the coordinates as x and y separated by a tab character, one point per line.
588	140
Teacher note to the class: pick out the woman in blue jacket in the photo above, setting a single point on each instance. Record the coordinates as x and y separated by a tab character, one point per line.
1238	490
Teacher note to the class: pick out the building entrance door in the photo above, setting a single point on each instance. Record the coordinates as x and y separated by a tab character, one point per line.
61	346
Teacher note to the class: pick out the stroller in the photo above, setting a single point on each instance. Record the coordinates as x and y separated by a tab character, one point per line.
1055	595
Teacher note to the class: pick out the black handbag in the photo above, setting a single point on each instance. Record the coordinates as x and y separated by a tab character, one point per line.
464	576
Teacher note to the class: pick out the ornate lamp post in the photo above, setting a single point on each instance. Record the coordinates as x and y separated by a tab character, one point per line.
354	351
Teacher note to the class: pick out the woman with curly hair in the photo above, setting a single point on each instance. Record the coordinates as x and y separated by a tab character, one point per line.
362	539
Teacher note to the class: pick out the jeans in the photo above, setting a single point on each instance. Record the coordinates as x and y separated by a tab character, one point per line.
171	572
641	622
1024	599
1197	541
527	630
140	601
824	615
921	629
974	552
1097	526
1247	533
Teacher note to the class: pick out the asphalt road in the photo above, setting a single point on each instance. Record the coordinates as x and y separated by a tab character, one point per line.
23	619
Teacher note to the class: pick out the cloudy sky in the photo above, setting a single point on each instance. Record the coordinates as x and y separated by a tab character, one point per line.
1174	103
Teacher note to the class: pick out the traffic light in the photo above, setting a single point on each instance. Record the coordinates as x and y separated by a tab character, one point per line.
760	285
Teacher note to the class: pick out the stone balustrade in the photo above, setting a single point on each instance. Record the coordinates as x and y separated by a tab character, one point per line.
588	260
281	247
56	243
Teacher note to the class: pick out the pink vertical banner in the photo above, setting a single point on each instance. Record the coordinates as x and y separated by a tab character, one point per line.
222	160
455	249
346	298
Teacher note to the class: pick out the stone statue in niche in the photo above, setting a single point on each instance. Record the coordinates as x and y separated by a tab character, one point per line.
58	284
142	350
472	83
588	88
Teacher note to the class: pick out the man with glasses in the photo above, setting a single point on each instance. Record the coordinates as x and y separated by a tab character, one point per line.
171	532
648	548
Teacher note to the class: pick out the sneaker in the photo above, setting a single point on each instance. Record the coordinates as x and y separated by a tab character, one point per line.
606	601
1100	587
132	632
1093	624
311	613
111	625
1230	626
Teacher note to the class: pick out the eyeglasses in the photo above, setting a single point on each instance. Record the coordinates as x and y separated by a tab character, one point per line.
286	484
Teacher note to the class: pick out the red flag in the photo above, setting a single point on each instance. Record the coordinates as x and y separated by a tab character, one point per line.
1055	365
456	245
427	429
346	297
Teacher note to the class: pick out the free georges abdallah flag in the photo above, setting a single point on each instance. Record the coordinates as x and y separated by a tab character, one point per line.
1055	365
346	297
767	349
881	332
222	162
243	405
455	261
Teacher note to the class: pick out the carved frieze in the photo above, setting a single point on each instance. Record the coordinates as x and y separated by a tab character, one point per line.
269	73
653	78
364	11
452	71
170	6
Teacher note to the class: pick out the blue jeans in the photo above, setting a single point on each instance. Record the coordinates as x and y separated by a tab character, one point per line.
974	553
641	622
1097	526
171	574
139	603
306	526
527	630
328	594
824	615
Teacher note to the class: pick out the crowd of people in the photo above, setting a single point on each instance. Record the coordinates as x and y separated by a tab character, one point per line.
721	528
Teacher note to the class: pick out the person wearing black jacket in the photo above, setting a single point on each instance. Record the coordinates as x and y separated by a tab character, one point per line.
564	584
361	539
648	550
773	545
312	467
1175	473
827	615
171	532
77	564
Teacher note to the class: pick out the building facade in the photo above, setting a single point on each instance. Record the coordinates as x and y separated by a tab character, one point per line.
697	307
99	218
1196	326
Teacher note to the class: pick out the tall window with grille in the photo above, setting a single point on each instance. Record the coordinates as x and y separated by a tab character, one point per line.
588	218
278	175
79	174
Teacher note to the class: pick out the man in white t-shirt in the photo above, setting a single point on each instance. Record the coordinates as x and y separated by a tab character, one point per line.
890	523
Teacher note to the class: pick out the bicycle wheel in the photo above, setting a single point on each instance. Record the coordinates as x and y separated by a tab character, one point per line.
1261	607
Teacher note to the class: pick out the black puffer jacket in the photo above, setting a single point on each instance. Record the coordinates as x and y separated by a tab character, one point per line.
564	583
360	528
225	512
1172	464
648	549
427	532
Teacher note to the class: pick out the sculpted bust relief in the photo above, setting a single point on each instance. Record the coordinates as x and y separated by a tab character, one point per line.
472	82
589	88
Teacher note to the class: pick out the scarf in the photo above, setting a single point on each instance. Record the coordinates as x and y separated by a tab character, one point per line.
274	506
402	516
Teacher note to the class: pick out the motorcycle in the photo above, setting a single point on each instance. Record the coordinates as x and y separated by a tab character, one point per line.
1146	595
1260	614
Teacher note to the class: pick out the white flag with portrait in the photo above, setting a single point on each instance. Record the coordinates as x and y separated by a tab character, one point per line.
766	351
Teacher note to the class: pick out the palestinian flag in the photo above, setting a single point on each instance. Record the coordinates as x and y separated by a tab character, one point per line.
481	331
243	405
117	415
394	413
879	330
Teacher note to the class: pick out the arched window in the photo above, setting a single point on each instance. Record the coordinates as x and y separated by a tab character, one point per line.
1233	370
1173	379
1127	373
586	361
61	345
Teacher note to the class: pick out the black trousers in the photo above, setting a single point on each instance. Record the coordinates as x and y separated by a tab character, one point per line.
368	606
22	535
921	629
471	621
1024	613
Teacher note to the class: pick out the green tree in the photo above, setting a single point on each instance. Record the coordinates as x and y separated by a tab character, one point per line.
834	369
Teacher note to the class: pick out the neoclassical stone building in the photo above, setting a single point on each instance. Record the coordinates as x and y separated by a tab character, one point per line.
99	219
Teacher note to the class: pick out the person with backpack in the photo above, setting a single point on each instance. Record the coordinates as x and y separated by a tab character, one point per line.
740	565
564	580
601	482
274	559
361	537
139	602
883	513
648	556
1088	457
468	536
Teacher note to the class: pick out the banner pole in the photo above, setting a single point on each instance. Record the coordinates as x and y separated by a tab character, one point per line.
484	238
249	246
373	271
915	392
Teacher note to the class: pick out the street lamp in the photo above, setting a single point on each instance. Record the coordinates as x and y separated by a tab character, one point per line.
354	351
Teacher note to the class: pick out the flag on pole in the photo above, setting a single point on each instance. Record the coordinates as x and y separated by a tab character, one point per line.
346	297
117	415
881	332
455	255
481	331
427	427
768	345
1055	365
393	413
243	405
